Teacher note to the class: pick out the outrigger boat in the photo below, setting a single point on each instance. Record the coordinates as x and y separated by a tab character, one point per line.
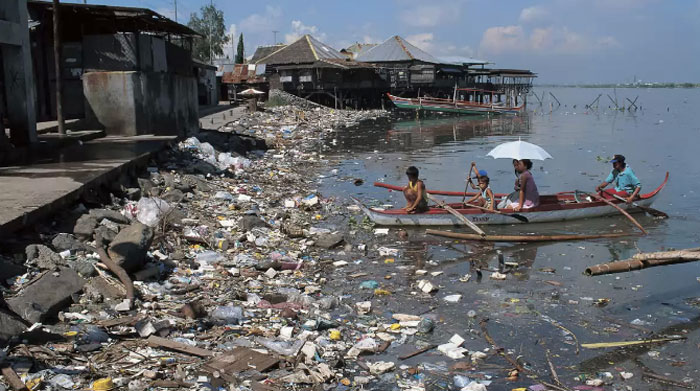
455	106
562	206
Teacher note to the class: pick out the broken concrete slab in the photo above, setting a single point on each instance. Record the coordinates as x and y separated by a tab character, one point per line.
43	298
129	247
10	326
43	257
328	241
66	241
85	226
108	214
248	222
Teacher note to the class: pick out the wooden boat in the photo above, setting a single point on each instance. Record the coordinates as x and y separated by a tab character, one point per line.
454	105
557	207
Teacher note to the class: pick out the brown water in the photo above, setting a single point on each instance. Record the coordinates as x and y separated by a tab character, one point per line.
663	136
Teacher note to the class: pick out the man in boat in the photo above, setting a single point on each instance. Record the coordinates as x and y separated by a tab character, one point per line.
415	193
626	183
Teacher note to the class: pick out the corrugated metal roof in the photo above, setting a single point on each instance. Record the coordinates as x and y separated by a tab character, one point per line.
305	50
396	49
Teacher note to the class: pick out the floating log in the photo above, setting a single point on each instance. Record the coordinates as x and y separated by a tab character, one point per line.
643	261
523	238
601	345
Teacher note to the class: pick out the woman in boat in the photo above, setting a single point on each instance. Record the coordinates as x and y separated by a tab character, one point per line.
515	195
528	196
415	193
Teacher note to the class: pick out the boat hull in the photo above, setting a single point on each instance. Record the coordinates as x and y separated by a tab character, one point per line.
557	207
440	217
446	106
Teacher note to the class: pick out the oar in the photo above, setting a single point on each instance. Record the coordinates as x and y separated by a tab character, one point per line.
458	215
466	185
599	198
513	215
651	211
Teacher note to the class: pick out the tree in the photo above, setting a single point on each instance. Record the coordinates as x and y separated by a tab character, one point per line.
214	37
240	50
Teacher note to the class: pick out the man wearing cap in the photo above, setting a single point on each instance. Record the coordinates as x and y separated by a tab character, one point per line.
626	183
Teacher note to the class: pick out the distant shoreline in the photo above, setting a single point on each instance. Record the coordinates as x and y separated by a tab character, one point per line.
642	85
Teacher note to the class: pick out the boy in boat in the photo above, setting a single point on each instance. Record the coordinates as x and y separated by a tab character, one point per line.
626	183
416	196
484	198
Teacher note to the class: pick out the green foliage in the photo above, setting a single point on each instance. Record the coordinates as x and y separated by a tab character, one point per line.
240	51
211	25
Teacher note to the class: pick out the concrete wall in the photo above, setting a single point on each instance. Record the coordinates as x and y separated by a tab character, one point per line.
17	75
137	103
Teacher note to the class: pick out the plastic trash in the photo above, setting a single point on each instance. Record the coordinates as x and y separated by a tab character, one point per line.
229	314
152	210
282	347
461	381
369	284
426	325
62	381
223	195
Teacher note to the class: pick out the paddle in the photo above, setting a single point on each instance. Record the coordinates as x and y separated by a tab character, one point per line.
458	215
651	211
466	185
599	198
513	215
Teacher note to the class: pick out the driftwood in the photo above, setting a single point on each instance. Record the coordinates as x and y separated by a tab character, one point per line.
116	269
666	380
643	261
523	238
417	352
13	379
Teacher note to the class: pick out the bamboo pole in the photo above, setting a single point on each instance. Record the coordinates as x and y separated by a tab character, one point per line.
644	261
523	238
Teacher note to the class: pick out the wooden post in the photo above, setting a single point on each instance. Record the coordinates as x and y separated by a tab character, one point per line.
57	66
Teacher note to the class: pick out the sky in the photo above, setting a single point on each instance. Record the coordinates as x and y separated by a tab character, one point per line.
563	41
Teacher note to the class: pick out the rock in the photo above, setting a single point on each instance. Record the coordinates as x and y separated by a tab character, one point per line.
43	298
85	268
146	186
66	241
248	222
111	215
85	226
43	257
328	241
10	326
99	289
105	233
133	193
129	247
173	196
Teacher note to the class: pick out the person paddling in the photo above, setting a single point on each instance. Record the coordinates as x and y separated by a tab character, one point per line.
415	193
484	197
626	183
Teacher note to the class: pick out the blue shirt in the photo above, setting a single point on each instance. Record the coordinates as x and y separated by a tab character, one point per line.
624	181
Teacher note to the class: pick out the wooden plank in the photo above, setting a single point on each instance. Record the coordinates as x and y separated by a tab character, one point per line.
13	379
242	359
158	342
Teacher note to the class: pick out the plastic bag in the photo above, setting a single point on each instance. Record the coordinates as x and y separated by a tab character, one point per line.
229	314
152	210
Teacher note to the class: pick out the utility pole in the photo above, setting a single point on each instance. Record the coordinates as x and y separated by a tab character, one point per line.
175	1
274	41
57	66
211	22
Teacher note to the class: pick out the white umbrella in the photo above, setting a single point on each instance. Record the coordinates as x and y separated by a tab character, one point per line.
251	91
519	150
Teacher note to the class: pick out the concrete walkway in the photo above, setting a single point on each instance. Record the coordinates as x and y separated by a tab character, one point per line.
220	116
31	192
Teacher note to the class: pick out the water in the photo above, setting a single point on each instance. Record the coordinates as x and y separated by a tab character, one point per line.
662	136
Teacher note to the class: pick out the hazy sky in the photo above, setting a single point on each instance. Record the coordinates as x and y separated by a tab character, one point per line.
564	41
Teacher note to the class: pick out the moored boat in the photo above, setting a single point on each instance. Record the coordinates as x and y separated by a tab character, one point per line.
557	207
454	105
